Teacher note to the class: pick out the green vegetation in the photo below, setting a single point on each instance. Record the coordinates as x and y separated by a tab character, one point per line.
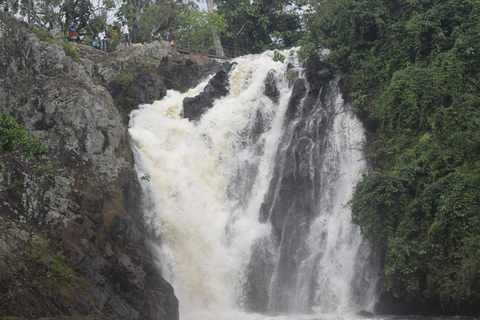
14	136
127	80
412	68
277	56
241	26
127	92
259	25
18	183
58	270
195	33
37	268
45	168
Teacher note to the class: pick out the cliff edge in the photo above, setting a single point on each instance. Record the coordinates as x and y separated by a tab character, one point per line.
72	239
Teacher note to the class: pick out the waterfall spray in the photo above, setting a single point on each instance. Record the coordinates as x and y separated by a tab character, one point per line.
248	202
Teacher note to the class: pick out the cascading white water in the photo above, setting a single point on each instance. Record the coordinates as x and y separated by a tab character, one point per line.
208	180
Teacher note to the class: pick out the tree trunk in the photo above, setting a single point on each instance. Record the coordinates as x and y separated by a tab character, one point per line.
317	9
29	5
216	39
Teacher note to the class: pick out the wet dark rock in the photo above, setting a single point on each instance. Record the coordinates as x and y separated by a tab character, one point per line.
150	88
188	70
271	87
217	87
298	93
318	73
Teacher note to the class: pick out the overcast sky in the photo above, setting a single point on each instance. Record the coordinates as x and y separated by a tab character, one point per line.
202	4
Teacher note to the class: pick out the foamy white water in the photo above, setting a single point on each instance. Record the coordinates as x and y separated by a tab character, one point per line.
206	182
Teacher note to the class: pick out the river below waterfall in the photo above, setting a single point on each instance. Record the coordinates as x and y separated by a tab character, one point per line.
249	202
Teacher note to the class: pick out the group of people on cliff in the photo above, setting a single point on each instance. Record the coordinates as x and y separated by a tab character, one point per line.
100	39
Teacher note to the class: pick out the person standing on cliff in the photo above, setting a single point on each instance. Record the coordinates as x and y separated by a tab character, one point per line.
95	41
171	37
125	33
73	33
102	40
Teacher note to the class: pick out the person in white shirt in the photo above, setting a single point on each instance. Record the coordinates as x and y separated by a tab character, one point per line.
126	34
103	40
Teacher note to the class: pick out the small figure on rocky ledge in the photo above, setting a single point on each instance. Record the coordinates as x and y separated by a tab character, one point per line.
171	37
95	42
103	40
125	33
73	33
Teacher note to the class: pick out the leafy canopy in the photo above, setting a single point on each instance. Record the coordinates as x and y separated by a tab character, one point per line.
258	25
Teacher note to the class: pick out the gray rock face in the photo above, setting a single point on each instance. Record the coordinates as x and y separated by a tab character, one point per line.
72	242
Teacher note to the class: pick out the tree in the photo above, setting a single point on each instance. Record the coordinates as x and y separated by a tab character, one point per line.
52	14
46	13
216	39
14	136
157	18
316	5
259	25
153	16
79	11
195	31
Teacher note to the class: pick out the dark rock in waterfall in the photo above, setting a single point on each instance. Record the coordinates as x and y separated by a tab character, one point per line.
318	73
217	87
150	88
271	87
298	93
189	70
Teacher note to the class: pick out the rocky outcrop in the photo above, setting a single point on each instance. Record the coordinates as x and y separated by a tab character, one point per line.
217	87
72	241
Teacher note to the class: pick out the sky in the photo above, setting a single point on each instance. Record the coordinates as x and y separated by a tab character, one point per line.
202	4
111	14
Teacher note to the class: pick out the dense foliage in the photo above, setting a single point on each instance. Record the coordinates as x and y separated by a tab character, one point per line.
258	25
14	136
195	31
153	17
52	14
413	70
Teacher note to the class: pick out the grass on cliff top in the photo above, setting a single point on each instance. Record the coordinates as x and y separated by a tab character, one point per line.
68	48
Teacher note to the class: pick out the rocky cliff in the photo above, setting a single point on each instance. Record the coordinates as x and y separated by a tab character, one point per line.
72	239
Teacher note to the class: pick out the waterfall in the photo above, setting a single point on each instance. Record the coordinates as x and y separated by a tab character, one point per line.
248	203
